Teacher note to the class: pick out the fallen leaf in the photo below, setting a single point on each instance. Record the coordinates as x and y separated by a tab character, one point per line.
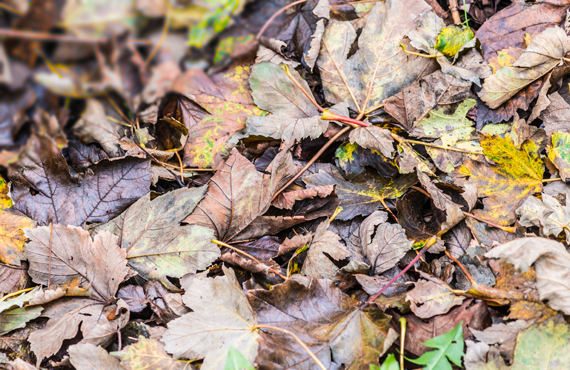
449	347
294	117
44	190
325	243
540	57
506	185
286	200
16	318
134	297
379	68
12	237
550	260
329	321
148	353
227	98
221	316
432	297
156	245
542	346
452	39
555	115
89	356
559	153
353	159
236	361
374	138
548	213
365	197
237	195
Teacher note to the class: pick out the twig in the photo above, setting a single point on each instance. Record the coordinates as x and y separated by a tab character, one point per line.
319	363
429	243
181	167
18	34
163	34
315	157
402	340
454	11
247	255
262	30
552	180
473	282
10	9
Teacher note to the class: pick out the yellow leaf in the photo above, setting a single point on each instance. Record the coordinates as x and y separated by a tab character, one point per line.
5	201
12	237
506	185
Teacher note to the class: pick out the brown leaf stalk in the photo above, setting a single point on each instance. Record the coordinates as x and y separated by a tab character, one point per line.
471	280
319	363
247	255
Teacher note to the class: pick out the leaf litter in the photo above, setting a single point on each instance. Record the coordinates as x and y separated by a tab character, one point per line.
309	184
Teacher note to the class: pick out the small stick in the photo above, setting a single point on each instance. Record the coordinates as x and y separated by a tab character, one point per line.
454	12
473	282
247	255
319	363
285	68
552	180
429	243
315	157
18	34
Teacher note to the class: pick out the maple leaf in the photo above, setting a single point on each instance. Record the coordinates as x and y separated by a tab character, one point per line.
219	106
548	213
44	190
87	355
60	254
449	347
555	116
379	68
506	185
362	198
543	54
323	317
156	245
148	353
431	297
221	318
551	262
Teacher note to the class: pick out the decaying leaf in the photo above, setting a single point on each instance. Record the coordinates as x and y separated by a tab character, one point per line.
89	356
432	297
155	243
44	190
505	185
551	262
12	238
148	353
543	54
221	318
555	116
353	159
379	68
373	138
548	213
223	104
294	115
559	153
334	326
287	200
317	264
362	198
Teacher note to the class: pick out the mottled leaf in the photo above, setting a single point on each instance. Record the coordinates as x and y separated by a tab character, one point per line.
452	38
12	237
379	68
541	56
374	138
559	153
17	318
155	243
551	262
352	159
505	185
90	357
365	197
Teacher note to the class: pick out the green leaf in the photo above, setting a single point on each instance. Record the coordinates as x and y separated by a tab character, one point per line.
449	347
17	318
228	45
390	364
214	22
559	153
236	361
362	198
452	38
543	54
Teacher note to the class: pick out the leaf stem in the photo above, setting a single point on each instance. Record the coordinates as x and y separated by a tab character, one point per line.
309	352
18	34
262	30
285	68
247	255
471	280
429	243
418	54
436	146
330	116
313	160
16	293
552	180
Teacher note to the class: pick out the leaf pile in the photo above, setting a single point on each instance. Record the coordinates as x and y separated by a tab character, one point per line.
319	185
